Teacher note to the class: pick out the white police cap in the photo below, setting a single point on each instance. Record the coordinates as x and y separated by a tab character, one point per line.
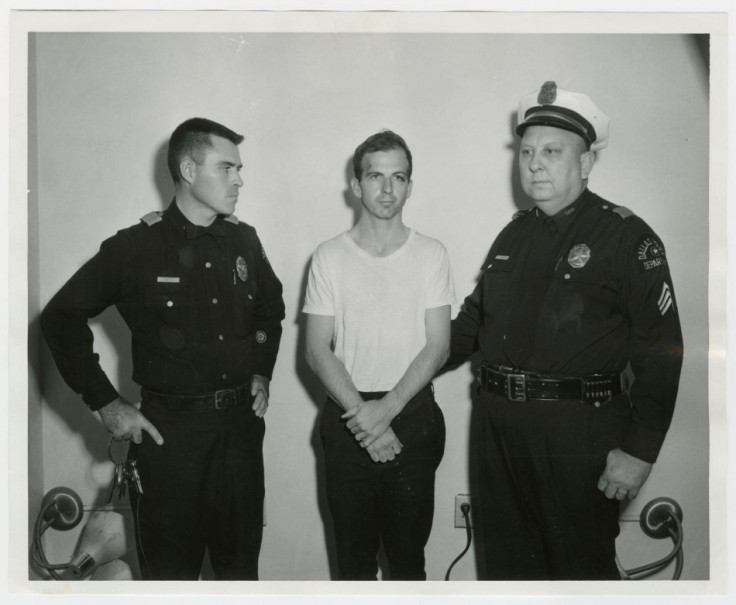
573	111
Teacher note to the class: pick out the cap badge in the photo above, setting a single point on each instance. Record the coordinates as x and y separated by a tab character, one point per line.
548	93
579	255
241	268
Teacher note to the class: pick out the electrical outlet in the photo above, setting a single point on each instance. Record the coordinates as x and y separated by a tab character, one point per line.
461	499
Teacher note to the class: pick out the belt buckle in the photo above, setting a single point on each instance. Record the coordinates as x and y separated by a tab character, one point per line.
516	387
225	398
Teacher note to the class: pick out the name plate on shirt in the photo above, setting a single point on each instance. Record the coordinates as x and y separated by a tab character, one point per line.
167	280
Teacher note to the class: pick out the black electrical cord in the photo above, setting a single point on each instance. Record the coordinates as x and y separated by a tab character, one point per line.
37	553
465	509
676	534
680	559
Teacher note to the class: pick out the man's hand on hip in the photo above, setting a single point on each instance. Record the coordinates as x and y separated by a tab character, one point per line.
259	390
624	475
124	421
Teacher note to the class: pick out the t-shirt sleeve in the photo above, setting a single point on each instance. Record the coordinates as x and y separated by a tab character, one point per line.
440	285
319	297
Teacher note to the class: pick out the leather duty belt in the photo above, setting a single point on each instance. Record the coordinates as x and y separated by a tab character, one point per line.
523	386
216	400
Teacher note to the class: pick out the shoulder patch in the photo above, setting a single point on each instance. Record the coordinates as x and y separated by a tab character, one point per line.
650	253
232	219
152	218
623	212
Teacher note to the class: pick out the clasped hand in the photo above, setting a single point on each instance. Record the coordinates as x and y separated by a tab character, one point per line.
370	423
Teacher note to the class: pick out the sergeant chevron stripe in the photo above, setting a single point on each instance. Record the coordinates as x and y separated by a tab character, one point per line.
665	299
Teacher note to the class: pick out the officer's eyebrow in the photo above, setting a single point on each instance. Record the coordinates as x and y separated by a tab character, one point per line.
230	164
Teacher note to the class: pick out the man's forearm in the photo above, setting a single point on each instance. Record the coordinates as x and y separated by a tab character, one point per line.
334	377
420	372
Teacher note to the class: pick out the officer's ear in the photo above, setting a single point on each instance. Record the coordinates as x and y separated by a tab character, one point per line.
187	169
587	160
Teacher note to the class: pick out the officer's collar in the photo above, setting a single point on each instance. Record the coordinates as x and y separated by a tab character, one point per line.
566	216
192	231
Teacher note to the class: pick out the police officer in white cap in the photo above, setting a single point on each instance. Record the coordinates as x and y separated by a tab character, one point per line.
574	299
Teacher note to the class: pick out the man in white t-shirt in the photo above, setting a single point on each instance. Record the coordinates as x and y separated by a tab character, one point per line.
378	329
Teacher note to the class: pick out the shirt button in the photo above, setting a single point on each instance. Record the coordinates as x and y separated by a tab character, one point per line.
169	303
221	337
214	301
224	376
567	276
208	264
597	404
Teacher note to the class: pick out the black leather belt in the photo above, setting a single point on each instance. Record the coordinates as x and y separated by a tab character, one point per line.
217	400
516	385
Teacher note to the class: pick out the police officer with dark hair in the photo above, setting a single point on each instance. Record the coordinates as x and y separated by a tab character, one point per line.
204	308
574	292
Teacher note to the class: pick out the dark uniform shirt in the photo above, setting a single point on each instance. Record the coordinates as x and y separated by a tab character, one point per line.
203	305
583	292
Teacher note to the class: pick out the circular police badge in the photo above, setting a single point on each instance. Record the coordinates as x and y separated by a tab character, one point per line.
578	256
242	268
260	337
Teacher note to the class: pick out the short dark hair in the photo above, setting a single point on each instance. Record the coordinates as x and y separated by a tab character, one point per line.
381	141
192	138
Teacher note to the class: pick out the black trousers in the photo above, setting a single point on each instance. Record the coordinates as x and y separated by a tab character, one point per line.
541	514
390	502
203	488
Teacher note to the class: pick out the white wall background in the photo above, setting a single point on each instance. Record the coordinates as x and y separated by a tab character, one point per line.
103	105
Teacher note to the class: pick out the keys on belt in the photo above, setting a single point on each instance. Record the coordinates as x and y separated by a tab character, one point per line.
124	476
523	386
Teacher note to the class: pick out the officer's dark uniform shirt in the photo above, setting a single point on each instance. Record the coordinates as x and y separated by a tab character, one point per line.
580	293
203	305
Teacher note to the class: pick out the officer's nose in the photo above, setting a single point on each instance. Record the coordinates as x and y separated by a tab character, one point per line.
534	162
238	180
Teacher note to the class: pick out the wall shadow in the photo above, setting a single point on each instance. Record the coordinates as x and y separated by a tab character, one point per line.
48	385
351	201
316	391
521	201
700	44
161	176
317	396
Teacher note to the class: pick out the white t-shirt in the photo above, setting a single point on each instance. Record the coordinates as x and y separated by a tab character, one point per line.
378	303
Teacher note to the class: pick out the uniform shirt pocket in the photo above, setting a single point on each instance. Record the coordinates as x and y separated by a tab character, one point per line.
585	291
498	290
170	317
